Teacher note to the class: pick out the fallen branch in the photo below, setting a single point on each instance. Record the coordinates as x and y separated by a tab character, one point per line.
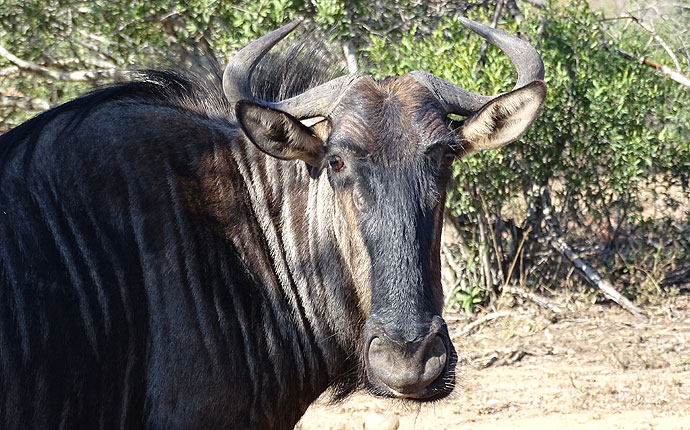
593	277
588	272
506	357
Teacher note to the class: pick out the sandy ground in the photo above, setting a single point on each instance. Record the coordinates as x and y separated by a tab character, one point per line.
588	367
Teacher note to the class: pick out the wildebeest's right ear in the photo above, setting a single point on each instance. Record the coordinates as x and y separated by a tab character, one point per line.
279	134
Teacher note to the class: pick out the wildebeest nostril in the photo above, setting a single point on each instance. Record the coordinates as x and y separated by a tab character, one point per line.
407	369
435	360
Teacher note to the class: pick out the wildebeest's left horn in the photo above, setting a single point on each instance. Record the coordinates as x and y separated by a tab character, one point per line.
318	101
458	100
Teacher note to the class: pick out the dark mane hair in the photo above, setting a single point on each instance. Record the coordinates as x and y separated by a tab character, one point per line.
305	63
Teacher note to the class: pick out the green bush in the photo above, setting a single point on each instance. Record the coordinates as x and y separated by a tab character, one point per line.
611	144
611	127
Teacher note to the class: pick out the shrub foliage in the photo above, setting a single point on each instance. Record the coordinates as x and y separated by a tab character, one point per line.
606	167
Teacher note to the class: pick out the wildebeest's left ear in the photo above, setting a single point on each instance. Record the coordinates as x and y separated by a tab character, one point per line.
503	119
279	134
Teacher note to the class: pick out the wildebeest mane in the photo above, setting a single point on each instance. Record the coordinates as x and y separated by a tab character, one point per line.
307	62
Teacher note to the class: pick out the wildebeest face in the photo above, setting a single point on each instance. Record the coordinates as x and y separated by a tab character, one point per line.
386	151
388	160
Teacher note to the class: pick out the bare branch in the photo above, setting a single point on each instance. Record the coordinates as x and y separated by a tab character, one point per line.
535	298
9	71
540	31
588	272
74	76
95	37
650	29
479	321
681	5
24	103
494	22
71	62
515	11
676	76
349	52
685	48
536	3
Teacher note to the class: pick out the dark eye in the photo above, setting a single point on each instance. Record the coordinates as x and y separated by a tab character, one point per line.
448	158
336	163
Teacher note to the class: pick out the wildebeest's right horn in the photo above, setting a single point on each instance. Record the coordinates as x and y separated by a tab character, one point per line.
458	100
318	101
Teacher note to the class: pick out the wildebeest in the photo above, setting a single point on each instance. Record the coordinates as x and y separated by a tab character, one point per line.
171	257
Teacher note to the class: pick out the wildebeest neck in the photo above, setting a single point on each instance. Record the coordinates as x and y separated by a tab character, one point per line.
294	247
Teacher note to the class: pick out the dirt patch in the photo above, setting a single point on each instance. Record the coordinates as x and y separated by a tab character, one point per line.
591	367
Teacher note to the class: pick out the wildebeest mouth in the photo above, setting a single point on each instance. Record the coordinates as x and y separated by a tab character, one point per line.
422	369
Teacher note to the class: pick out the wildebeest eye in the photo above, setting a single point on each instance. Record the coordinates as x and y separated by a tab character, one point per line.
336	163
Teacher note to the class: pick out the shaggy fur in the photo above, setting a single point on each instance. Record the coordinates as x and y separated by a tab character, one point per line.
160	270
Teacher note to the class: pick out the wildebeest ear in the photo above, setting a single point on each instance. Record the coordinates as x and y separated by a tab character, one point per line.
503	119
279	134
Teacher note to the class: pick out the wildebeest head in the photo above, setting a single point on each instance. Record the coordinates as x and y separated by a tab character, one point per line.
386	148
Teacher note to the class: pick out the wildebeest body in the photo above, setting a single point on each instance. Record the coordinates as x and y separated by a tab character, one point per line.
141	260
178	255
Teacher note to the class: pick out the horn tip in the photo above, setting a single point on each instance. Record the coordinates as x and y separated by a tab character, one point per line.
290	26
472	25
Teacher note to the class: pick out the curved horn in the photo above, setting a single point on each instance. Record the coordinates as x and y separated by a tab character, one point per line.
238	73
318	101
458	100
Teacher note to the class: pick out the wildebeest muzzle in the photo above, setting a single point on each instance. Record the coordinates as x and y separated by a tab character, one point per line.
413	361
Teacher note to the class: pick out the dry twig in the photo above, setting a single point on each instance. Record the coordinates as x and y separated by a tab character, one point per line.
479	321
535	298
494	23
